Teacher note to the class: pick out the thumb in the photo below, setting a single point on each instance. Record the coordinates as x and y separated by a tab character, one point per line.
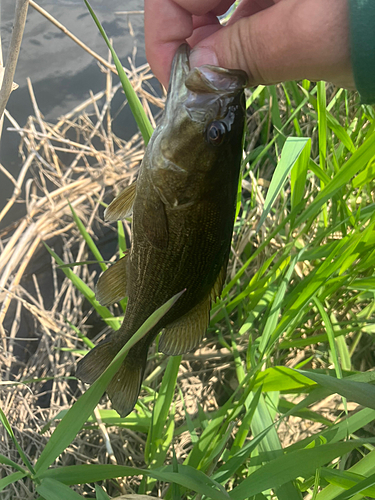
291	40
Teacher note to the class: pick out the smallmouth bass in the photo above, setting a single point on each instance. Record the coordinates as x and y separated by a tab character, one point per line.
183	206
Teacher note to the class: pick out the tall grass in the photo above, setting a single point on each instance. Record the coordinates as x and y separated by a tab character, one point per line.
303	286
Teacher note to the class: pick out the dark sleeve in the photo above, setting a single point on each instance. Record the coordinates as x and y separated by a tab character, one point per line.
362	45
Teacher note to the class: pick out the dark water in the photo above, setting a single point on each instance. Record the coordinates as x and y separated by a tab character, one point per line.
61	72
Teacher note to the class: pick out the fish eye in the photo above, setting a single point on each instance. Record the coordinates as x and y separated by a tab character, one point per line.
216	132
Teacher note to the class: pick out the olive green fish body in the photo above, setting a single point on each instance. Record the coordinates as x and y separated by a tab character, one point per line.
183	212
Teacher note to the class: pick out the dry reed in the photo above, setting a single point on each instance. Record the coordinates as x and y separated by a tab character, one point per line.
80	160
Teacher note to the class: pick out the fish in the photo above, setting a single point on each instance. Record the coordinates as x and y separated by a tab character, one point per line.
183	204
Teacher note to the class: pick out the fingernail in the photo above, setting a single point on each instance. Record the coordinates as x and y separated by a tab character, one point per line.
202	55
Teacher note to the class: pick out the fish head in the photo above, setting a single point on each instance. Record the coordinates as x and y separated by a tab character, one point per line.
203	122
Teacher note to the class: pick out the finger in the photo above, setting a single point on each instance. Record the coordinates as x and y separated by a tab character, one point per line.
169	23
203	27
250	7
292	39
167	26
201	7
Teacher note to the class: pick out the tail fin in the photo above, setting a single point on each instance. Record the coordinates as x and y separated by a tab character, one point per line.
123	390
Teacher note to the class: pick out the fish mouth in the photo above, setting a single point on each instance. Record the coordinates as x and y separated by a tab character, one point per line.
179	72
209	79
206	79
204	92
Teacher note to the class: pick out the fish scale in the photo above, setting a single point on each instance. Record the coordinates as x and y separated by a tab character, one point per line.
183	206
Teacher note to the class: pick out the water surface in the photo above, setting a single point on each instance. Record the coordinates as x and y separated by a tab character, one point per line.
61	72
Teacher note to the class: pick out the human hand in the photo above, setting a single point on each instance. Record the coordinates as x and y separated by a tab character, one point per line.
272	40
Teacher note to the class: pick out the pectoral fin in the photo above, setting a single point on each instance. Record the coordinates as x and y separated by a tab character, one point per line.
111	286
122	206
186	333
154	222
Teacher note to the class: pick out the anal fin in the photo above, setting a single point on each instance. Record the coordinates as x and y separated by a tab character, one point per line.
96	361
122	206
219	283
111	286
186	333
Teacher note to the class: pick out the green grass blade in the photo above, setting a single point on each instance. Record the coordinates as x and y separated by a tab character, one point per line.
322	124
186	476
355	164
90	242
290	466
263	424
84	339
281	378
163	445
12	478
298	175
86	291
189	422
342	348
331	337
275	115
81	263
139	114
81	474
121	238
361	393
50	489
293	147
155	437
227	470
73	421
364	486
9	430
347	480
254	96
7	461
288	407
273	316
100	493
244	428
176	492
365	177
340	132
208	439
364	467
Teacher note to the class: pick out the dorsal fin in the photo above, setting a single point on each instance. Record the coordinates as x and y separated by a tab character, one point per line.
186	333
122	206
111	286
